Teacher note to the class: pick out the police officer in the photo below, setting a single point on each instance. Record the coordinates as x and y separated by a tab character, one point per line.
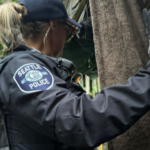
42	108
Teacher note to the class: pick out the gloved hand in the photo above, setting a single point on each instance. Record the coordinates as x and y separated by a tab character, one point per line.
86	31
146	21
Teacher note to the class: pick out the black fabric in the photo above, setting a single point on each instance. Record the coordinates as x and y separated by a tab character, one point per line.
76	120
87	29
3	137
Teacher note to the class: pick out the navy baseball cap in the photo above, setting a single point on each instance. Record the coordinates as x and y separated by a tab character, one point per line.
46	10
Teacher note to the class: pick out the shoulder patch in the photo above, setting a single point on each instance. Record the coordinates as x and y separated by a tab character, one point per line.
33	77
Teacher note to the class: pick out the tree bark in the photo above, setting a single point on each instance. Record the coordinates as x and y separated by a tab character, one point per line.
121	47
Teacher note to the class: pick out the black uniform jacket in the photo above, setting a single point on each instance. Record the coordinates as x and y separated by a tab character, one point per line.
32	89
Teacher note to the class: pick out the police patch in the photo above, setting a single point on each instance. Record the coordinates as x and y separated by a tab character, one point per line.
33	77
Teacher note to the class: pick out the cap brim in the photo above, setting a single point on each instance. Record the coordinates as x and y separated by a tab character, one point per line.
74	22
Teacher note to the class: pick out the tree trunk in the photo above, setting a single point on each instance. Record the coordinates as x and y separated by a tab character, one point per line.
121	50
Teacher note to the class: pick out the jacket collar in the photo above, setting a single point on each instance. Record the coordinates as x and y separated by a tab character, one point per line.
22	48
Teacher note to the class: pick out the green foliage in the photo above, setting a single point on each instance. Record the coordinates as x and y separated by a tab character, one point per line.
3	1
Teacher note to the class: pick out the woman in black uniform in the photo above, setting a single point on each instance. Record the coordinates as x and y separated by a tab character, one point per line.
43	109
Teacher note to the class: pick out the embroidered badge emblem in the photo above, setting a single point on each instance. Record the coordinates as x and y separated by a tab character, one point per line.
33	77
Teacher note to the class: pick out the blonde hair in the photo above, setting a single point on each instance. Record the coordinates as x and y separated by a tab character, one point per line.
13	31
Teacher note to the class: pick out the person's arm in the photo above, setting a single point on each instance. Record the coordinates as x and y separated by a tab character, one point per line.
77	121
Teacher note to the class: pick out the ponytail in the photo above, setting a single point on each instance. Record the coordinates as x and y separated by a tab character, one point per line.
10	22
13	31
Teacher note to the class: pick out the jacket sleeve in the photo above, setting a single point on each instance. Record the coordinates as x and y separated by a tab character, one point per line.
77	121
